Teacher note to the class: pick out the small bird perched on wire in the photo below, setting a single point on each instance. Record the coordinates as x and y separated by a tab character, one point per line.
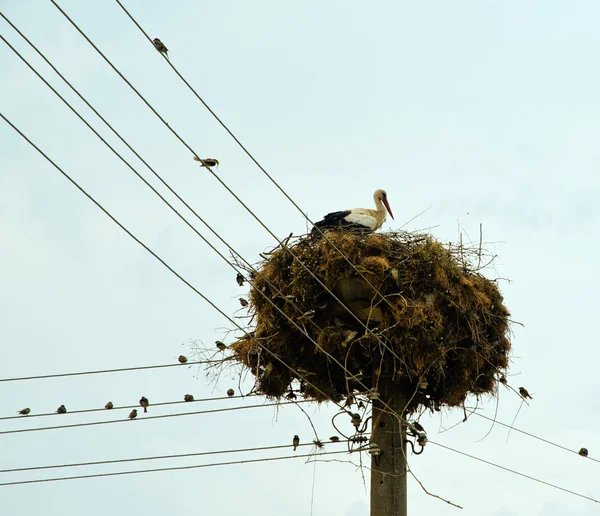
583	452
133	414
144	403
207	162
109	405
503	380
61	410
160	46
418	426
220	345
296	442
230	392
240	279
25	411
182	359
334	439
243	302
524	394
188	397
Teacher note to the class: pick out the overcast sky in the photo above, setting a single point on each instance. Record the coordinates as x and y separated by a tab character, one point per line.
485	111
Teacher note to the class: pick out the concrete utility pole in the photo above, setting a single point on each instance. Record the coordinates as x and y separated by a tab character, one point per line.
388	470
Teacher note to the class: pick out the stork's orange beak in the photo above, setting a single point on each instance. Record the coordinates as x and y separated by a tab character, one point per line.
387	207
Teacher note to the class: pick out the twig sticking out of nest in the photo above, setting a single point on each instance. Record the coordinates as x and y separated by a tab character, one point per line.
445	320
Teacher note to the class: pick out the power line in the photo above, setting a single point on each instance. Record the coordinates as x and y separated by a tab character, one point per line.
148	418
101	371
532	435
516	472
176	468
127	407
160	457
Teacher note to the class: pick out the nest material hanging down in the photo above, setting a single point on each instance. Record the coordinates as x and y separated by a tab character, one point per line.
445	321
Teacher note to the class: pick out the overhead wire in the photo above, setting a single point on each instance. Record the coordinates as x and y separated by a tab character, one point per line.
148	418
125	407
102	371
530	477
159	457
532	435
175	468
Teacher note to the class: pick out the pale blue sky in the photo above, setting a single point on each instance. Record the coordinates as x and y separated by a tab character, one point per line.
483	108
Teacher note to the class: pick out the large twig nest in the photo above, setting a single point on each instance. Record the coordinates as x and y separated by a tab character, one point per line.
444	320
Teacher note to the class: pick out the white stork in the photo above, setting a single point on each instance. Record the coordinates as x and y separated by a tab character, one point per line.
359	218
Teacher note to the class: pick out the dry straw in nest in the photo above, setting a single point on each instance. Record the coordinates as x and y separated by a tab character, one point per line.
444	320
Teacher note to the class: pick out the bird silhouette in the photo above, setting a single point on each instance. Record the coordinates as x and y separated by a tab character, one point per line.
296	442
207	162
240	279
583	452
109	405
133	414
243	302
144	403
182	359
334	439
418	426
220	345
25	411
188	397
230	392
160	46
61	410
524	394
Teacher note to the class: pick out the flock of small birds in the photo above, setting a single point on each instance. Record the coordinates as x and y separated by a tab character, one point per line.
144	403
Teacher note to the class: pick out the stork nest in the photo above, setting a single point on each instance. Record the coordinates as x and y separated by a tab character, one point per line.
440	329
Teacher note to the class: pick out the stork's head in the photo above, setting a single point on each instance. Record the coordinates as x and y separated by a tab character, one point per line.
381	195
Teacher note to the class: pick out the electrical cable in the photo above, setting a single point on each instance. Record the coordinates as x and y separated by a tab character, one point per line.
176	468
125	407
101	371
147	418
157	457
515	472
532	435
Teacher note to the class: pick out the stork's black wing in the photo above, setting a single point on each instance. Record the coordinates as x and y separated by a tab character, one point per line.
334	220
